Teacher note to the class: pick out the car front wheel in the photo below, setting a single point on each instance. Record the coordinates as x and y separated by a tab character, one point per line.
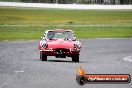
75	58
43	57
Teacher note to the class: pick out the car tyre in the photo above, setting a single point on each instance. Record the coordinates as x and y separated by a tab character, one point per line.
75	58
81	80
43	57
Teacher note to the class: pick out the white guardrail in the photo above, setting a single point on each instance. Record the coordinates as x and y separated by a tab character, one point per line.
68	6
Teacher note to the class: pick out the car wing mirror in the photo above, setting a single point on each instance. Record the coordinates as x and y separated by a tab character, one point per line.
74	39
41	38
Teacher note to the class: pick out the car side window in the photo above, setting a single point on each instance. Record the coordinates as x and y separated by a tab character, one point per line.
74	36
44	37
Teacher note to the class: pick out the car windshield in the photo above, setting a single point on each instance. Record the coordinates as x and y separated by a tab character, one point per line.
63	35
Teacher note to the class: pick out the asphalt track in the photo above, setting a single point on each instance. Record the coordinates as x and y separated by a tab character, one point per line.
20	66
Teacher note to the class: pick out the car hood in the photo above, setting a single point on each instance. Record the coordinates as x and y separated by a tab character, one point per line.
60	43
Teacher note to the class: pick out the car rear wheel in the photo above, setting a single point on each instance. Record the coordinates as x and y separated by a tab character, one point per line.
43	57
75	58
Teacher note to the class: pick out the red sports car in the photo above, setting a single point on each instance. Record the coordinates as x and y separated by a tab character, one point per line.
59	43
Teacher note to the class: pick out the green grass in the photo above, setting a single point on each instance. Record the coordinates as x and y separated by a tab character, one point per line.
35	32
30	23
60	16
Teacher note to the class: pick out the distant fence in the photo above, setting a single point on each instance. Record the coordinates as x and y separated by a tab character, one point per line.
82	1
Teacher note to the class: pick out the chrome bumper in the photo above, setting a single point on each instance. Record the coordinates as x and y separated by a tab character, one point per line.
51	50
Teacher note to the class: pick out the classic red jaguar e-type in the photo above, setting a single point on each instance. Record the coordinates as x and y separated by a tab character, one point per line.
59	43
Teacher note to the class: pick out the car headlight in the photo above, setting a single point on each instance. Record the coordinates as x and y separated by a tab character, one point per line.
45	45
76	46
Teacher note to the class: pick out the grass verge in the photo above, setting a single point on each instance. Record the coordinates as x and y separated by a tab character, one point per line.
35	32
30	23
